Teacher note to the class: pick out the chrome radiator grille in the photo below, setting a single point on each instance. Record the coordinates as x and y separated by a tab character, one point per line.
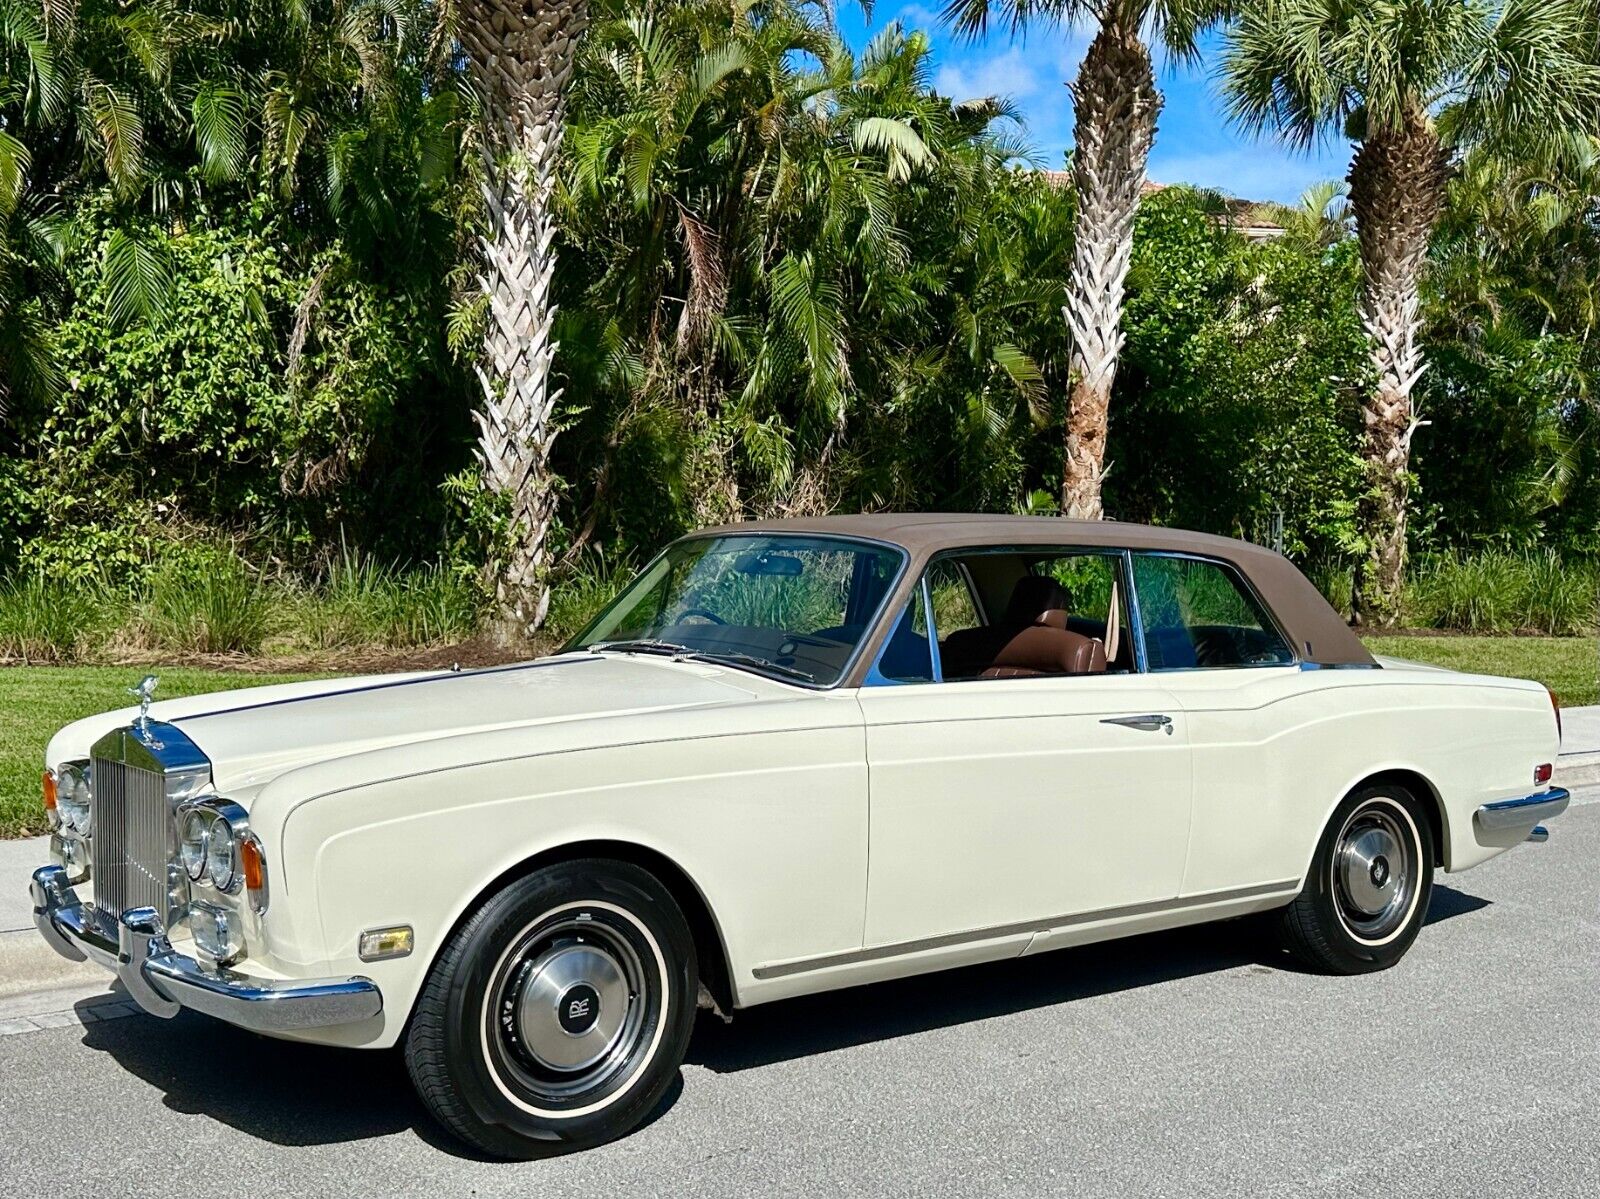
133	838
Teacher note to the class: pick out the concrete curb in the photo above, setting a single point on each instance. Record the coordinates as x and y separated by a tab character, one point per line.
29	965
64	1007
1577	770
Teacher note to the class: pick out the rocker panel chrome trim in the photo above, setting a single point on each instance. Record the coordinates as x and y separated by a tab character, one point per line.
949	940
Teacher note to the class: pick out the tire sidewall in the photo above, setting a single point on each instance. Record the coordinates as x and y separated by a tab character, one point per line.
1358	955
622	891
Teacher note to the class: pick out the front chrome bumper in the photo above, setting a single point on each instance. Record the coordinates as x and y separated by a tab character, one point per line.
162	980
1523	813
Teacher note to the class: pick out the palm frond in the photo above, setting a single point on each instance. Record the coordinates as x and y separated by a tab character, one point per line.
220	130
138	279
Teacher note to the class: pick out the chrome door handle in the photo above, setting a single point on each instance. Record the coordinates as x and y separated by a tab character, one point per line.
1148	724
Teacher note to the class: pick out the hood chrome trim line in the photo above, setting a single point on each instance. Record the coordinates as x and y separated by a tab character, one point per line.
439	677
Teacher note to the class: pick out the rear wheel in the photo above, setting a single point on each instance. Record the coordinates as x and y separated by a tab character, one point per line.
1367	894
558	1015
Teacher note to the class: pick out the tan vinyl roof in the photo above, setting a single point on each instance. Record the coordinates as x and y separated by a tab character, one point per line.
1320	634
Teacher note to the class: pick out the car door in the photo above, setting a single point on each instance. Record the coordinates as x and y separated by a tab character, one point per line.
1214	645
1000	805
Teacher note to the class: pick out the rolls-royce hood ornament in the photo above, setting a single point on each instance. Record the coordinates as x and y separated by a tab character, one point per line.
145	692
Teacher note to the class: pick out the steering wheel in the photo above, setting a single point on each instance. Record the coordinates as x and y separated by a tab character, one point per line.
700	612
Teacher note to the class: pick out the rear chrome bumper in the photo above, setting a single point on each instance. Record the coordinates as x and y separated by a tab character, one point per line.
162	980
1523	813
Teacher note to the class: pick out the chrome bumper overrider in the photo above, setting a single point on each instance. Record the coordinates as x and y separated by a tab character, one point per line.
162	980
1523	813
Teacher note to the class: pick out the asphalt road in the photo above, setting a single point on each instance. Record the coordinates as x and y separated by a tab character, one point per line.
1191	1063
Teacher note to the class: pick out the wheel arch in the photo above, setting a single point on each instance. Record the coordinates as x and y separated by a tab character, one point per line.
1418	785
711	949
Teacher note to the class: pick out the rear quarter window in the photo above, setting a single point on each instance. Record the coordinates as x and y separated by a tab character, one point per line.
1198	615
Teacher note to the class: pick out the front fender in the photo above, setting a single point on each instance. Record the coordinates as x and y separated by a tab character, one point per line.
771	828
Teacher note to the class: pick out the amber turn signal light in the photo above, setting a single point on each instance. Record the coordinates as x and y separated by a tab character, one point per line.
255	870
50	795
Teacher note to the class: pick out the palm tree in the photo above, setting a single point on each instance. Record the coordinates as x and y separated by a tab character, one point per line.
1412	83
521	54
1116	103
1321	218
742	185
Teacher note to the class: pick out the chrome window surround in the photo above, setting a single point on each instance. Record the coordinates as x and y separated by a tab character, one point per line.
1244	585
875	677
869	629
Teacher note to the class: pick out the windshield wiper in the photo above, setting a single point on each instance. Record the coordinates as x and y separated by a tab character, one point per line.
643	645
684	653
742	659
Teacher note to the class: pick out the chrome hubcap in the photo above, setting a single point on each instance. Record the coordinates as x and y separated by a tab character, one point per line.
1373	873
572	1007
569	1007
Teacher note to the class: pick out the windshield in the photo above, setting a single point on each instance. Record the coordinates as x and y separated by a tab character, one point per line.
794	607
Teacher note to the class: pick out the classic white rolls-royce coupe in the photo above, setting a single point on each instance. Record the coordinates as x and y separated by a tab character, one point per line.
791	756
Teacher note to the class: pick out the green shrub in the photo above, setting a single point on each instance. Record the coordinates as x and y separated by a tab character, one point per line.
50	620
1499	592
1559	596
365	603
219	606
592	583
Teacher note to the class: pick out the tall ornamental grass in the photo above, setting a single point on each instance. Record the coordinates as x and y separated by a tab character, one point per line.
364	603
46	620
1497	591
216	605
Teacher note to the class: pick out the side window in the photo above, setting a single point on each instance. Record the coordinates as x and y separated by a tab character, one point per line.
1087	581
906	656
1042	613
953	607
1197	615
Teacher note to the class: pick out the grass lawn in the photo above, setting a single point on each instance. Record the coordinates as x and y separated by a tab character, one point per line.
35	701
1567	665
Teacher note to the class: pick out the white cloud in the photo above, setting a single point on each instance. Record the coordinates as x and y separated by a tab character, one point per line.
914	16
1011	73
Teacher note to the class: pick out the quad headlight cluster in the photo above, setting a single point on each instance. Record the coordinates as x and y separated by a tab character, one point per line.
72	798
217	848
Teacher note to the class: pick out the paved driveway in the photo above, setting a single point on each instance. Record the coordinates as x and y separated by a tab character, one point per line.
1192	1063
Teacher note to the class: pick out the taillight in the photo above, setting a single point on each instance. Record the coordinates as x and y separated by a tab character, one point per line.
1555	705
1542	773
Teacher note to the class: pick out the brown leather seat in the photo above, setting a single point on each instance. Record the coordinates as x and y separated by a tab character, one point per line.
1043	650
967	653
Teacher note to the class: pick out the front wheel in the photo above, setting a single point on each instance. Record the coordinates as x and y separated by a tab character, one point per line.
558	1015
1367	894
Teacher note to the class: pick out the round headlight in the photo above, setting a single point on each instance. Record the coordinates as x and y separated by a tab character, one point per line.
221	861
83	811
192	845
72	800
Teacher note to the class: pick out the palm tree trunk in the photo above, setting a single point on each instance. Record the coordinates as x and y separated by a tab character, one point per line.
521	52
1117	104
1397	190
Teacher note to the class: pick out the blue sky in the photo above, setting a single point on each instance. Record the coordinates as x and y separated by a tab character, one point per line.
1194	144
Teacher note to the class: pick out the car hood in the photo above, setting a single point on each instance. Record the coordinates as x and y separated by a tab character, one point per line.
252	736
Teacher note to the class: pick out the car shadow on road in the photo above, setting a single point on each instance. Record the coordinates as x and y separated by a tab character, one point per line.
883	1011
302	1095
